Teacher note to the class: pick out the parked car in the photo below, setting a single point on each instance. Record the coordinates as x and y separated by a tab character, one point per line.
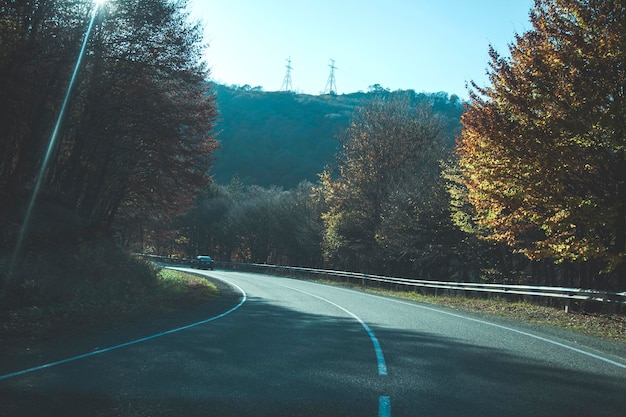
204	262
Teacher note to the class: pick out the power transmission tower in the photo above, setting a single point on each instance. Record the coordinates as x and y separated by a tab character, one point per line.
331	86
287	81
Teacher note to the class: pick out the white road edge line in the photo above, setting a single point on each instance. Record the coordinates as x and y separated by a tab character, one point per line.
133	342
384	402
380	358
543	339
384	406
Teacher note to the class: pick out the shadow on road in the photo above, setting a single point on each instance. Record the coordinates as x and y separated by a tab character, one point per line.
267	360
446	377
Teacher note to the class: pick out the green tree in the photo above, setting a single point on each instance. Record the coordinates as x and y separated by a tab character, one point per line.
542	150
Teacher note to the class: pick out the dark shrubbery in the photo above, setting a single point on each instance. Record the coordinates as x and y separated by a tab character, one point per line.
87	272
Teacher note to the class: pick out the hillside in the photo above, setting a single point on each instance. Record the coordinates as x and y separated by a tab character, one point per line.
283	138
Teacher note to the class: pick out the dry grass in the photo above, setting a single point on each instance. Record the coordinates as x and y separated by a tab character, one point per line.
611	326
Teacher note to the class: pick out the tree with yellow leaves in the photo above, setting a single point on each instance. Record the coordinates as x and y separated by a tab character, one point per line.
542	151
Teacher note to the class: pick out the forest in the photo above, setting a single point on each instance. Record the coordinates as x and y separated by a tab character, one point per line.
523	183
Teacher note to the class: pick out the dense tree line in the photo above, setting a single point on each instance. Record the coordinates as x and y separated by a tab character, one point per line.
136	138
253	224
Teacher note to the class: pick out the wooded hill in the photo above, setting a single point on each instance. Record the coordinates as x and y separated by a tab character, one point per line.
283	138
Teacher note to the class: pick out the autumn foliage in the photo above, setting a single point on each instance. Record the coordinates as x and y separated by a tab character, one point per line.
542	151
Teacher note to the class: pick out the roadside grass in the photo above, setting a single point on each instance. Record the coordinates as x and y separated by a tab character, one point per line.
173	290
179	289
611	326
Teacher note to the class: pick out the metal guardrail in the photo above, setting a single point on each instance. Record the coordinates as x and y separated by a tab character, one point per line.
578	294
574	294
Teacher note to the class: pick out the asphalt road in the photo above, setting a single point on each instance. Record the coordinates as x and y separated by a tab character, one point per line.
273	346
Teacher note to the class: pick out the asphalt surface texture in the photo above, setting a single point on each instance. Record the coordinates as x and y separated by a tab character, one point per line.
274	346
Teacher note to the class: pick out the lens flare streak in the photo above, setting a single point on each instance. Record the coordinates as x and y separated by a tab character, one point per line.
52	141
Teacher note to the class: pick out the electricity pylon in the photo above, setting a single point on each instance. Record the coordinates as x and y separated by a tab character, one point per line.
331	85
287	81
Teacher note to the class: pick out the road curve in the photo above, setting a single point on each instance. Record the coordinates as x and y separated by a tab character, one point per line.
297	348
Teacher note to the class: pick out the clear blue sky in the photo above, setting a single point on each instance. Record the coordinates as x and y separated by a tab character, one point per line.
424	45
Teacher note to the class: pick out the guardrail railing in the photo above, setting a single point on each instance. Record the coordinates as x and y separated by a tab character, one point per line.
573	294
